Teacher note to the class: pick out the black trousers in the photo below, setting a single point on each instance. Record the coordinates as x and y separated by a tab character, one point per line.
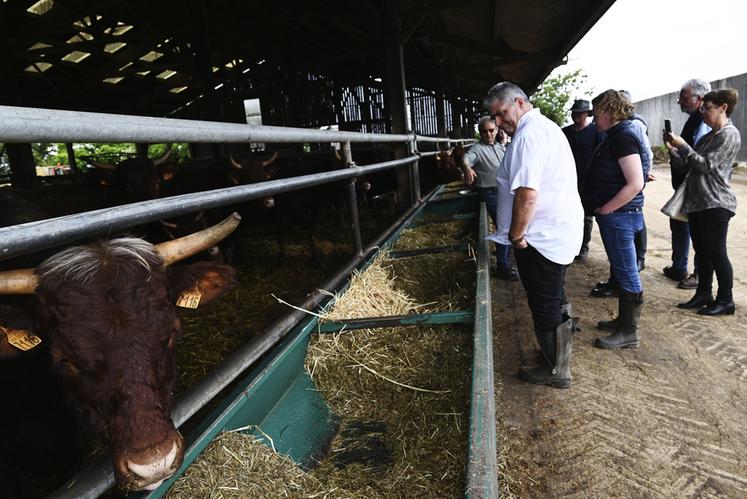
708	230
544	283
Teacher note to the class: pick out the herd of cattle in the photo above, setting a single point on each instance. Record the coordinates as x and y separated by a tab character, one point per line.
87	333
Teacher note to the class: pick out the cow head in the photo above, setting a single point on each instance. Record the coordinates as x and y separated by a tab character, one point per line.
108	311
446	166
139	177
253	170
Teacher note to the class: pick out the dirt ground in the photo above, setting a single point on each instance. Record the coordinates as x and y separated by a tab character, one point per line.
666	420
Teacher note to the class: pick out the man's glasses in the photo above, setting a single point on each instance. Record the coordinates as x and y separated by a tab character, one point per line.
685	99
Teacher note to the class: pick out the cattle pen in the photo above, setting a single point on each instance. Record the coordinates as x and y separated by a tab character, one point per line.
37	125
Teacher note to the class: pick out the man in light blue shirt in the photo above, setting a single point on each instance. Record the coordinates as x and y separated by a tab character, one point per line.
480	166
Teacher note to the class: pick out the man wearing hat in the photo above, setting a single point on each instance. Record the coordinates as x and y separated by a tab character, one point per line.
583	138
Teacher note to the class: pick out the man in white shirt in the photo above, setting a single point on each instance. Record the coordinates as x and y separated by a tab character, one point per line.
540	215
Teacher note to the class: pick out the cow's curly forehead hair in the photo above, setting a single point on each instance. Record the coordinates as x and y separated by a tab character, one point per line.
82	264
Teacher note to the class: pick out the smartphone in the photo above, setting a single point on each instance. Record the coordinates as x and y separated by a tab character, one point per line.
668	125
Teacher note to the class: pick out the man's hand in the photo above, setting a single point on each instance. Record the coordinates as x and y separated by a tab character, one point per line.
469	176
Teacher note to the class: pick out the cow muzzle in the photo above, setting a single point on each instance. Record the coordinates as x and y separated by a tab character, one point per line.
148	469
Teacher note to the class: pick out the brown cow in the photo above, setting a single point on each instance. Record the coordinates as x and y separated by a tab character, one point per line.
107	312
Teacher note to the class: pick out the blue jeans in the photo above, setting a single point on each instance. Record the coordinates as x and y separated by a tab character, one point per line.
489	196
618	234
680	245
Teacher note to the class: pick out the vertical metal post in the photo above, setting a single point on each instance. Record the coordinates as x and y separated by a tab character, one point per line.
347	157
71	158
414	169
22	165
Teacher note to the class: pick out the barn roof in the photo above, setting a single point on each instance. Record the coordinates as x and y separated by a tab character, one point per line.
155	57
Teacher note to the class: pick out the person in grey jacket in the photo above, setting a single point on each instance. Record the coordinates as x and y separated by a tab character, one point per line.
710	201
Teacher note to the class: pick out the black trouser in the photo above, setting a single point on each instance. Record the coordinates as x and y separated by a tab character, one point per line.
708	230
588	225
543	281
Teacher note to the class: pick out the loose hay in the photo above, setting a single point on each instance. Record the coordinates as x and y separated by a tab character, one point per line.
440	281
236	465
432	235
418	390
372	293
411	382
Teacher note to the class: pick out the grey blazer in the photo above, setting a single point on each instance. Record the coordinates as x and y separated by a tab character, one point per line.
710	166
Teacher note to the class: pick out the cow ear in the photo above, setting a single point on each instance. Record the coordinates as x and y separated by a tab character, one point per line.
210	279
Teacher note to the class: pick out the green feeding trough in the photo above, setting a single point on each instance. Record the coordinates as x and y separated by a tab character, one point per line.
280	404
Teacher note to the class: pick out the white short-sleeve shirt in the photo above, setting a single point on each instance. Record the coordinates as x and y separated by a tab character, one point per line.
540	158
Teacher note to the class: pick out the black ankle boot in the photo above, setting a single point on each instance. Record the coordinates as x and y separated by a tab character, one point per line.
719	308
696	301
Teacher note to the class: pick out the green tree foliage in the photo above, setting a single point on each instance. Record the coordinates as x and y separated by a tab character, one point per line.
556	94
56	154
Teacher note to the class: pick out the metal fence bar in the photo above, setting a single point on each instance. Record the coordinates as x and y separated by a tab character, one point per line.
482	471
19	239
22	124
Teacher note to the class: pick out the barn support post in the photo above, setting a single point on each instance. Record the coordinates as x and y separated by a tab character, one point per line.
396	95
22	165
456	117
71	158
440	109
412	149
347	157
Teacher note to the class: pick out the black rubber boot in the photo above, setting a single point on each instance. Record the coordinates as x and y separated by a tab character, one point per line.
555	368
612	324
626	334
566	312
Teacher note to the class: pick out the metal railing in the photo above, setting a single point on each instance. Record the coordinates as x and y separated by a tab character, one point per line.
45	125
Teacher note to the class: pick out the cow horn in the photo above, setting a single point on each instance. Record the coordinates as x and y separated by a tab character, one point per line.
162	159
184	247
18	282
236	165
269	161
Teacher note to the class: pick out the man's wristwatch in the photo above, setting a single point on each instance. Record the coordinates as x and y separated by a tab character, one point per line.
514	242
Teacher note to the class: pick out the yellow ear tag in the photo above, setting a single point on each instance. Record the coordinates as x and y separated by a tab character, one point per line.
21	339
189	298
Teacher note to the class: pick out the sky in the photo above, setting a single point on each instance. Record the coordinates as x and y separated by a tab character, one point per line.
651	47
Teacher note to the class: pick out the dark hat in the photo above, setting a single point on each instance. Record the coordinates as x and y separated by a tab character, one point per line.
580	106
